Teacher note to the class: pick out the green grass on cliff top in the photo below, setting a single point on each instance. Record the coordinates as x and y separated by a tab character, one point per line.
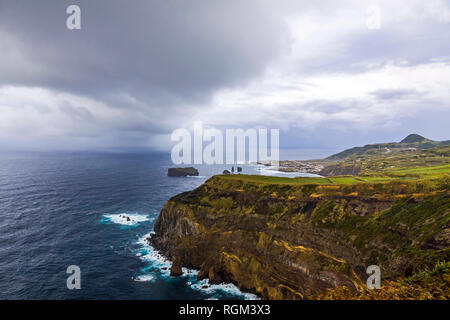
305	180
404	174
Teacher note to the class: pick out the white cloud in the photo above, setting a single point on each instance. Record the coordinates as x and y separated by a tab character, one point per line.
349	97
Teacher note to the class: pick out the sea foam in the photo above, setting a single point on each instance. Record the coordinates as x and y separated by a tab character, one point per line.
225	288
144	278
157	261
152	256
126	219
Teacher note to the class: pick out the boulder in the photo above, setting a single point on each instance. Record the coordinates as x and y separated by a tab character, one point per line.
226	172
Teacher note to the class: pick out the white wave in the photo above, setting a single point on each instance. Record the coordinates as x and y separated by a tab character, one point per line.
227	288
157	261
127	219
153	257
196	177
144	278
189	272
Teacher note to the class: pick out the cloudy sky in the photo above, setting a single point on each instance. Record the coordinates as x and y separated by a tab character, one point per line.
329	75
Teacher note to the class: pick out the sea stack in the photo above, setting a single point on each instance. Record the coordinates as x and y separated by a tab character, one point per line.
182	172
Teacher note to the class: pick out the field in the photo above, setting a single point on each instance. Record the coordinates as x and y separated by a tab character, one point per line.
403	174
423	171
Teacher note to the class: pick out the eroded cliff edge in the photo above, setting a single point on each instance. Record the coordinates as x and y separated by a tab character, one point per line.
294	240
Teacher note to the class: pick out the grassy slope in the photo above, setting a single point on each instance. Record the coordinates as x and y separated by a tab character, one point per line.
380	162
431	172
380	148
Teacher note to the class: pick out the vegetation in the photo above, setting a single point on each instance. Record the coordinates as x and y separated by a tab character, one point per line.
429	284
406	174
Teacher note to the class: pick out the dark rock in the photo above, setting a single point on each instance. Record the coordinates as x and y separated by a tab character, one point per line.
176	269
226	172
439	241
182	172
409	271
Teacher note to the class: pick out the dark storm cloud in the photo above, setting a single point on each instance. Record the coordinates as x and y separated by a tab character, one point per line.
159	51
139	69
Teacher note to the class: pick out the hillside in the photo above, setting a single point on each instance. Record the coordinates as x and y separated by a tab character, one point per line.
390	162
375	159
410	143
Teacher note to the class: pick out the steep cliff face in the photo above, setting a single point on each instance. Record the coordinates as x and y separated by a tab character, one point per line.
288	241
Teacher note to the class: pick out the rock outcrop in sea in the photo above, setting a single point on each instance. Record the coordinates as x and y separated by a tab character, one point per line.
182	172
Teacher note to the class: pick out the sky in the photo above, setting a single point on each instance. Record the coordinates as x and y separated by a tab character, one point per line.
328	74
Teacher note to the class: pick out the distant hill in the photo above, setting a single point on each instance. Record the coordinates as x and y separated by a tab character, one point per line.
411	141
413	138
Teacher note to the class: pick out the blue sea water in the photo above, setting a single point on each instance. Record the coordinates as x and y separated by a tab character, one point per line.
62	209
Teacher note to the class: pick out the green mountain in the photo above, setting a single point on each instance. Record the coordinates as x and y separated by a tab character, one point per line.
411	142
413	138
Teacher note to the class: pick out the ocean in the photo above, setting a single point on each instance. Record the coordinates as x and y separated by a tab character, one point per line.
93	210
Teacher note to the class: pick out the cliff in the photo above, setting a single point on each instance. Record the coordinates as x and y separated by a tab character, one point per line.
295	238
